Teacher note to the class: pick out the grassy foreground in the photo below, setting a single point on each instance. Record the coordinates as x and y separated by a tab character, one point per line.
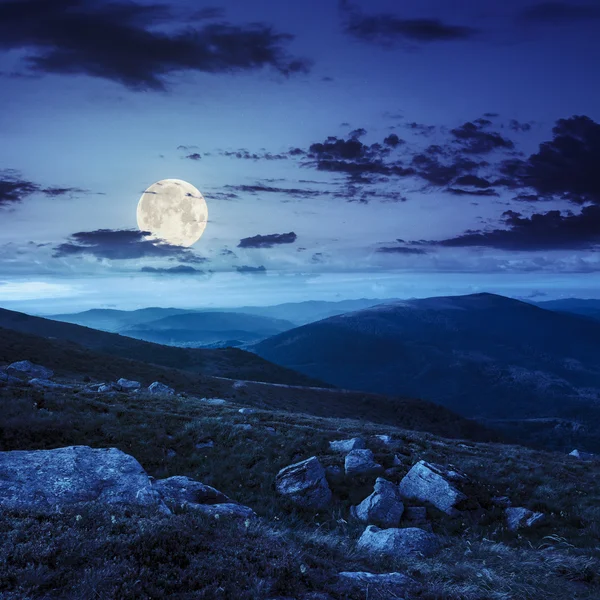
88	552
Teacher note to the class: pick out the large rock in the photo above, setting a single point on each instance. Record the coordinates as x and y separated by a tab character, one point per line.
361	462
347	445
51	478
384	583
394	542
304	484
127	385
160	389
228	510
26	367
581	455
427	482
383	507
180	491
519	517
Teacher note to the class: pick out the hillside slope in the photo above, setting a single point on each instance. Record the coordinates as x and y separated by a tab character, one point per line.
227	362
586	308
207	327
70	361
482	355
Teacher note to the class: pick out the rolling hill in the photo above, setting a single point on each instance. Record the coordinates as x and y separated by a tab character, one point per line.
226	362
586	308
484	356
204	328
230	376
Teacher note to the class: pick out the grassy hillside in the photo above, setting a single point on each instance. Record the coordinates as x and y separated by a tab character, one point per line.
88	552
483	356
226	362
70	361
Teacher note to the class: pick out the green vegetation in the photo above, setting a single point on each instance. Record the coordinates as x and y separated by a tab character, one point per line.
88	552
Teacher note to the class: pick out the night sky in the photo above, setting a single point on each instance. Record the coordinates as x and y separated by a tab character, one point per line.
345	149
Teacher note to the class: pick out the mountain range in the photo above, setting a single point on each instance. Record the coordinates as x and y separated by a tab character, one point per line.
531	372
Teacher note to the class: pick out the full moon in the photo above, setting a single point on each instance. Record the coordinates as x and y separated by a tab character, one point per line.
174	211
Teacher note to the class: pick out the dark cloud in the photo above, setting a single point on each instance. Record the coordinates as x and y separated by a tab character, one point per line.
388	29
491	115
179	270
355	159
400	250
420	128
14	189
268	241
357	133
194	156
552	230
246	270
122	244
393	141
267	189
471	192
247	155
559	13
440	174
119	41
518	126
474	139
566	167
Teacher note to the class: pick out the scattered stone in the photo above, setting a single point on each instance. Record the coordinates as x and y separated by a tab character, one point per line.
243	426
204	444
171	453
106	387
397	462
391	472
392	542
387	583
347	445
26	367
160	389
224	510
519	517
48	385
362	462
415	515
32	479
180	491
304	483
427	482
238	384
581	455
385	439
270	430
383	507
128	385
246	411
214	401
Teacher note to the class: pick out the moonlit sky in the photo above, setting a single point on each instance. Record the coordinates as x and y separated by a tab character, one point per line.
345	149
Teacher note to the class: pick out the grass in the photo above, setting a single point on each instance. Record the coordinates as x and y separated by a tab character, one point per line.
91	552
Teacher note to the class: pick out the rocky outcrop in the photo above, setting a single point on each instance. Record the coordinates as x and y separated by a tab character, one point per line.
396	584
48	385
53	478
230	510
345	446
520	518
127	385
383	507
184	493
304	483
581	455
361	463
160	389
395	542
433	484
25	367
180	491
